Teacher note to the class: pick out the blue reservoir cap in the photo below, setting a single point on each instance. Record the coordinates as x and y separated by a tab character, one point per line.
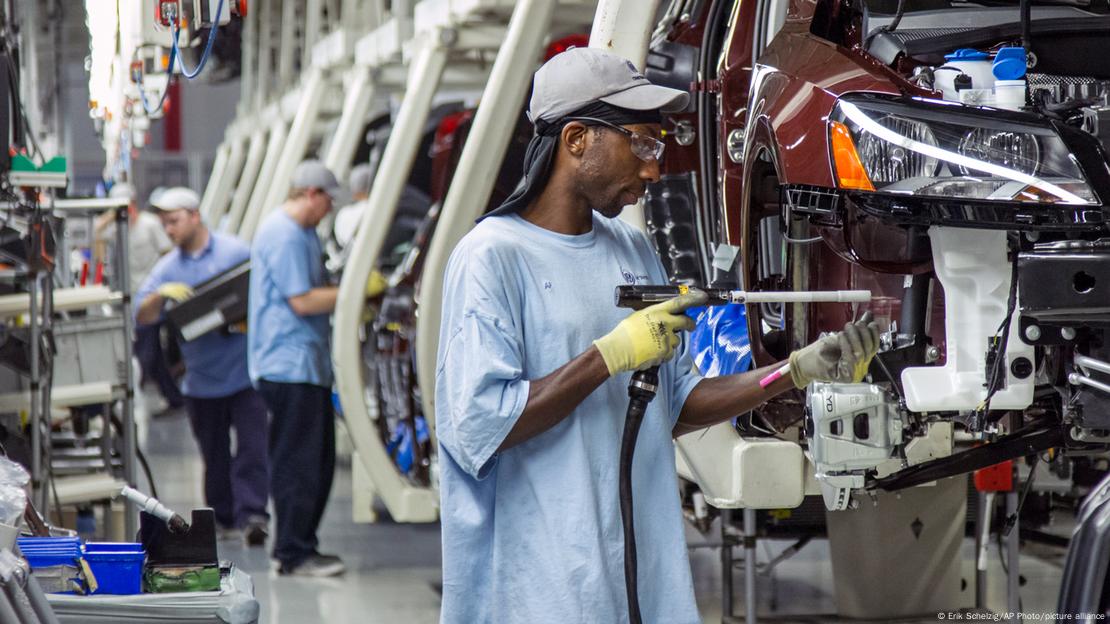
1009	64
967	54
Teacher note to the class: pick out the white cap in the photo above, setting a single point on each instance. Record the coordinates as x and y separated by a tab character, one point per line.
153	199
176	198
580	76
122	189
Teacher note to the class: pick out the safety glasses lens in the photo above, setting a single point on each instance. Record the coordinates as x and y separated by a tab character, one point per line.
647	148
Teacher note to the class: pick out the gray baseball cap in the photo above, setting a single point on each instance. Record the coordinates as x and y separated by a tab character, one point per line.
176	198
315	174
360	179
580	76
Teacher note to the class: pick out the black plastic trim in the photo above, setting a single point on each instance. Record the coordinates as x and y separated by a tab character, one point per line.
982	214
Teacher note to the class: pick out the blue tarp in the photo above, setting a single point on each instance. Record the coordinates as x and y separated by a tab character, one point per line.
719	344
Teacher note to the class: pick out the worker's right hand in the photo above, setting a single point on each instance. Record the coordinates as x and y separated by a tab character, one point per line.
176	291
648	337
842	357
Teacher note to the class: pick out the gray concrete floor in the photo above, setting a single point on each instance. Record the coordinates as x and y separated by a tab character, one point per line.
394	569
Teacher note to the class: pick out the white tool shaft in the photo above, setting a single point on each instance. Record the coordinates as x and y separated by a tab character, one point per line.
813	296
148	504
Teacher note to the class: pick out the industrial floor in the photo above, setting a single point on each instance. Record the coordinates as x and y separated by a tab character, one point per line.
394	569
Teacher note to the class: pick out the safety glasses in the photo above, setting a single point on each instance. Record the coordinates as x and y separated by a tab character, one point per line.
646	148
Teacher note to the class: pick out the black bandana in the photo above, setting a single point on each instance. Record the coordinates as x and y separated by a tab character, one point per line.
541	150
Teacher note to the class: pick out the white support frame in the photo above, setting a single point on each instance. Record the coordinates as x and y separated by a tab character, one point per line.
221	195
279	131
242	196
361	91
406	502
519	48
296	143
215	178
476	173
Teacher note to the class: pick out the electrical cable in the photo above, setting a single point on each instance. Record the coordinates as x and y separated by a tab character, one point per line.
1003	335
13	84
889	28
185	71
138	454
1025	8
802	241
165	92
1011	520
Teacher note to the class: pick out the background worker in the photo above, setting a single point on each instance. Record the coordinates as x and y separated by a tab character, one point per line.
146	243
412	208
290	364
217	388
534	364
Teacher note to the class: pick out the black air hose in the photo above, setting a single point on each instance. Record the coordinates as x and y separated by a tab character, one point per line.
641	390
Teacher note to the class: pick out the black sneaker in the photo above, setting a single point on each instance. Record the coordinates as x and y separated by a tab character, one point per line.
315	566
256	532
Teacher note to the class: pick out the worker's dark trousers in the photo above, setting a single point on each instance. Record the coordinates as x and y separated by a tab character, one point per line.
148	348
302	463
236	487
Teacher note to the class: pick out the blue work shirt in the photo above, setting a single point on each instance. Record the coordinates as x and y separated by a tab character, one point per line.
533	534
215	363
286	261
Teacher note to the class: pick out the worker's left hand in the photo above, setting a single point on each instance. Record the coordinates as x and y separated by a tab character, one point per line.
175	291
842	357
376	284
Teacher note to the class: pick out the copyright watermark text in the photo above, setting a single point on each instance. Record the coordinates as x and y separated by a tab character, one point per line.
960	616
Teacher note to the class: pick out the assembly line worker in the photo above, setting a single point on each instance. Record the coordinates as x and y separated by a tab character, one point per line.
146	243
218	392
290	364
412	208
532	376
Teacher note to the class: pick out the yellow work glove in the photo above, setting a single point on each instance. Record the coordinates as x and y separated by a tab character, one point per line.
648	337
376	284
842	357
176	291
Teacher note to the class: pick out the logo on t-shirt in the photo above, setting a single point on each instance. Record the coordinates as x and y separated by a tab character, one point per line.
632	278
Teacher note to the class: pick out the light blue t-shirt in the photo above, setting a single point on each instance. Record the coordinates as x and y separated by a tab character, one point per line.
533	534
215	363
286	261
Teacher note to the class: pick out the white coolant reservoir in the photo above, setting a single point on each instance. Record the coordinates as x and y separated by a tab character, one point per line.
974	64
973	269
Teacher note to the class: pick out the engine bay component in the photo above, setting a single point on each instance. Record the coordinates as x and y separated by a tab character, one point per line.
1065	285
853	428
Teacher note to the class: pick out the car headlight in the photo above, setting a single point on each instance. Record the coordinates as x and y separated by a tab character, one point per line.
937	149
1016	150
889	162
